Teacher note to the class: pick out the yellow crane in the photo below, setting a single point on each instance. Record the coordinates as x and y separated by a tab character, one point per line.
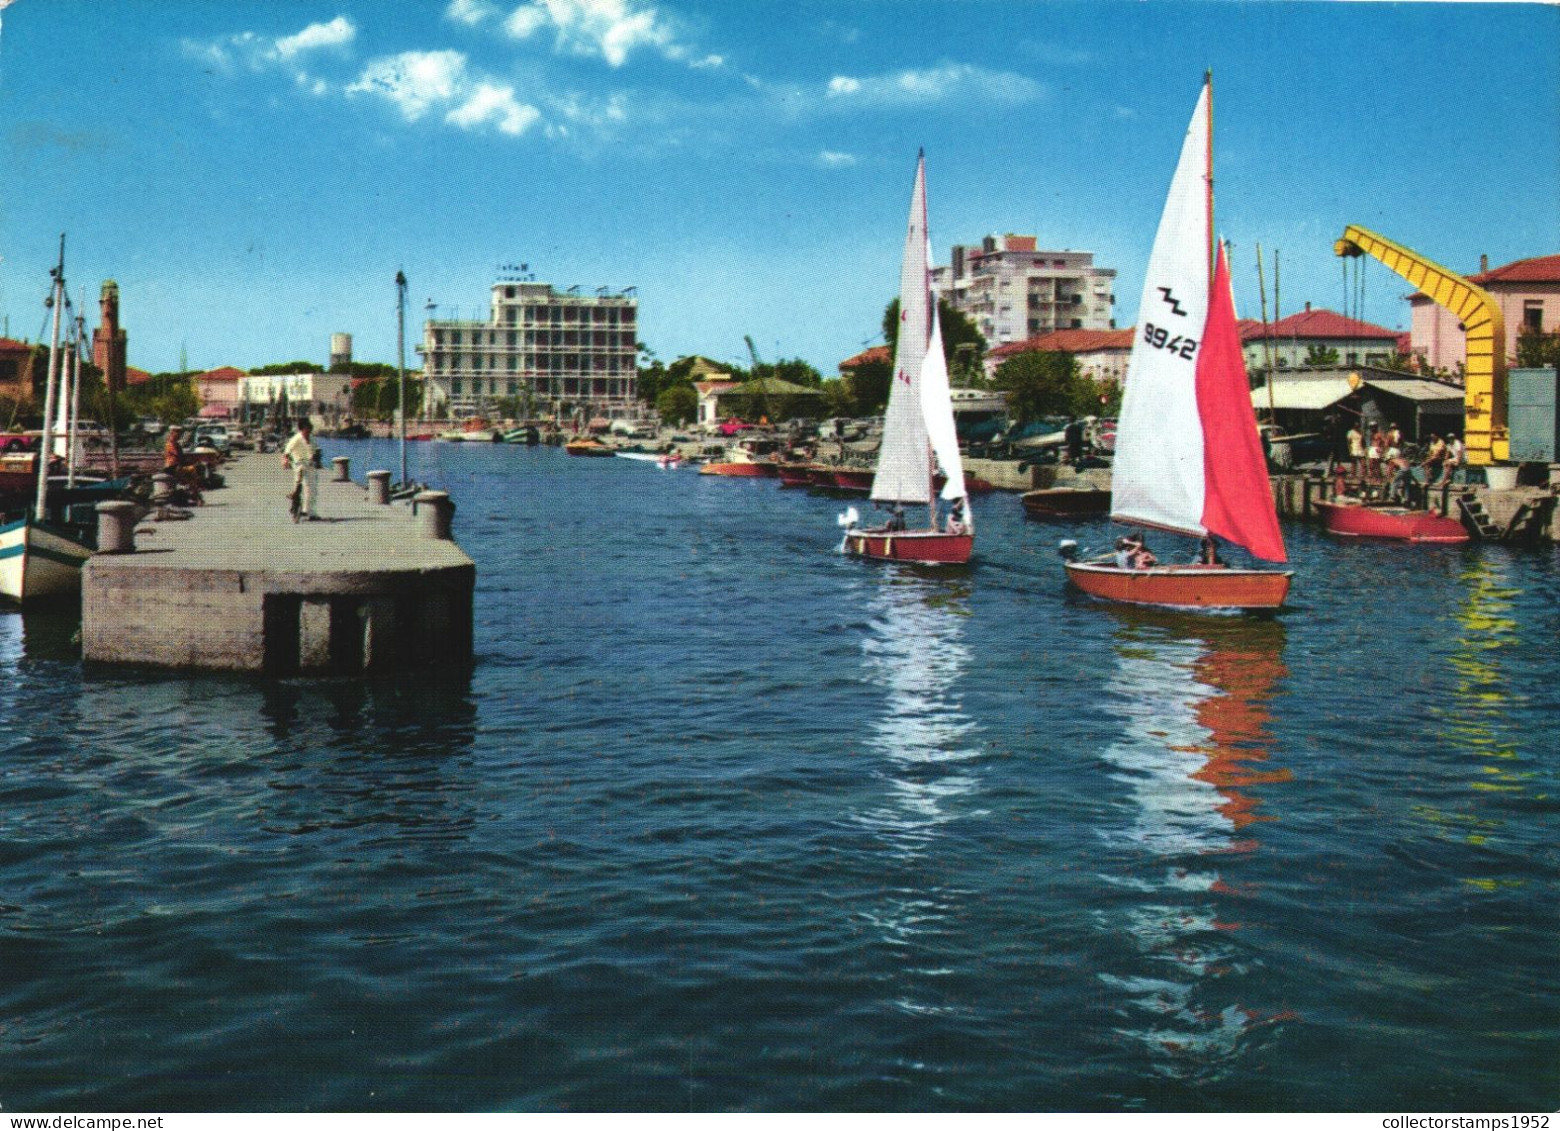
1484	392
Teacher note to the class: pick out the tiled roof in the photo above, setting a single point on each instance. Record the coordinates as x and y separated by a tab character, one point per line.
866	357
1315	324
1069	341
11	345
1543	269
134	376
707	387
225	373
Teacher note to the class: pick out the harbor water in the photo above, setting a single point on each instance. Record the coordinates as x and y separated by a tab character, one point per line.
724	820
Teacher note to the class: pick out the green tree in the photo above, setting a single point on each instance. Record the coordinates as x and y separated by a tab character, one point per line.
678	404
964	346
1320	357
1045	383
868	384
1536	349
284	367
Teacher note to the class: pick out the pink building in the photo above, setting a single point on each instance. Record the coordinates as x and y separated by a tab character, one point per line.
1528	292
218	390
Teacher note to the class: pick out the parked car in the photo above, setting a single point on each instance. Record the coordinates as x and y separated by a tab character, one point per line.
213	436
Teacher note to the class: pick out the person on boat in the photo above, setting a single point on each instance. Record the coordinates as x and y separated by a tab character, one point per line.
303	455
1357	450
1208	552
1131	553
896	518
956	518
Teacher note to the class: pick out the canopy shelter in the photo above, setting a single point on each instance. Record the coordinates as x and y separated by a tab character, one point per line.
1330	400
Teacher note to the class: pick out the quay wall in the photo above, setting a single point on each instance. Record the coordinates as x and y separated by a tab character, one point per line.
236	585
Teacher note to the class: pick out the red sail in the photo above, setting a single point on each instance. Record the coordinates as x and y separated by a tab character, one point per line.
1237	499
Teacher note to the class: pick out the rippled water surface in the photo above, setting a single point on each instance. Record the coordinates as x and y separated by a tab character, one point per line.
723	820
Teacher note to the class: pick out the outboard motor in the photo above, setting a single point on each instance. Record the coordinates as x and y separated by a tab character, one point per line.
1068	549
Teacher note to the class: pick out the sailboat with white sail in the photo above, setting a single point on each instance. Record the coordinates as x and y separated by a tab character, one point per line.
1188	455
918	427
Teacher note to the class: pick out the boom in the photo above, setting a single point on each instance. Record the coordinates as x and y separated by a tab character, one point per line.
1484	377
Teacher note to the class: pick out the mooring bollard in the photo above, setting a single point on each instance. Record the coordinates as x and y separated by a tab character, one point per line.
116	527
379	487
341	463
434	511
162	487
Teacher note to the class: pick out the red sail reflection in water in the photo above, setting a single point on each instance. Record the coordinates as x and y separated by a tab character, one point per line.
1193	694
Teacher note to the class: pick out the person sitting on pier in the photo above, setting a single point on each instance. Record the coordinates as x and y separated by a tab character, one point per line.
303	455
186	475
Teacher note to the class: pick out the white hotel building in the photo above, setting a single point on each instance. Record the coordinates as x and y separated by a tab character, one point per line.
563	350
1013	290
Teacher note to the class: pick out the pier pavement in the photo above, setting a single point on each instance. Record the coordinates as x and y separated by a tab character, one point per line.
239	586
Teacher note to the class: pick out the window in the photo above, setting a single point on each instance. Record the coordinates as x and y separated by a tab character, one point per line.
1533	315
455	386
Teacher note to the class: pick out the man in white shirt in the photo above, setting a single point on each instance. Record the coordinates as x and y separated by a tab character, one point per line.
303	455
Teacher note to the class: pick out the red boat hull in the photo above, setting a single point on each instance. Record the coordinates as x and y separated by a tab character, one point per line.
1402	524
1065	502
736	470
929	546
794	476
1182	587
853	480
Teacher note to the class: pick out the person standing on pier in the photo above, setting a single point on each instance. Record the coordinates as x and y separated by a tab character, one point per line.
303	455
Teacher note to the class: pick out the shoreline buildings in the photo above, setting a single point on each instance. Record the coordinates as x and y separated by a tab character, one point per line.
557	351
1014	291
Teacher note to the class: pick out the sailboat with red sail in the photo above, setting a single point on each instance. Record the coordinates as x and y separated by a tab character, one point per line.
1188	455
918	427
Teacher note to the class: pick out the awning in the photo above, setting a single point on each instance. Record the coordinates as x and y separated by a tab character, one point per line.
1418	389
1313	393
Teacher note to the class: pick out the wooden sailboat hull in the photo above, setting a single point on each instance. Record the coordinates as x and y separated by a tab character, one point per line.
37	562
1402	524
738	470
927	546
794	475
1065	502
1183	587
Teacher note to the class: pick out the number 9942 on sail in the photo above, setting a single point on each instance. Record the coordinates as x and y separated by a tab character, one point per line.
1160	338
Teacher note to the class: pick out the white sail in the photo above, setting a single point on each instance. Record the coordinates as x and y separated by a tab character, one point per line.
904	459
937	407
1157	476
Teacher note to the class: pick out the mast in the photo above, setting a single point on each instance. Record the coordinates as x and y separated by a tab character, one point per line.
73	445
46	441
400	352
1208	172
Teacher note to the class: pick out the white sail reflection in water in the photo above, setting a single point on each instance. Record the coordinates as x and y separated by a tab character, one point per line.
917	656
1193	741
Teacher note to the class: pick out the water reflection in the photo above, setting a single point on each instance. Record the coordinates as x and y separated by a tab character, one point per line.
1193	698
916	656
1477	720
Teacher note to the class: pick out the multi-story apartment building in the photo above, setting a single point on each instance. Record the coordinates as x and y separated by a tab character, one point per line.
1014	291
561	350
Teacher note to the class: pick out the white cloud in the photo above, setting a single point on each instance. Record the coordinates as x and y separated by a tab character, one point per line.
611	29
470	12
421	82
415	80
337	33
936	84
829	159
487	104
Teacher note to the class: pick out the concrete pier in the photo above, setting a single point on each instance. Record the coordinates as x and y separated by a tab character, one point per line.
239	586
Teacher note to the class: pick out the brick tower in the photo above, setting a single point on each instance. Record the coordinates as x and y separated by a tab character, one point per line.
108	340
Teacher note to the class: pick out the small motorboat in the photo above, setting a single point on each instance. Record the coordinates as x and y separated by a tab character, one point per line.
1065	502
588	446
1352	518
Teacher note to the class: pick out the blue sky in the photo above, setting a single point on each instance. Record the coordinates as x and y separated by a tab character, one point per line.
254	174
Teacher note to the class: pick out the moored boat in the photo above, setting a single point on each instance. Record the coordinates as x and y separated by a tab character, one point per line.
38	560
1355	519
1065	502
1188	457
587	446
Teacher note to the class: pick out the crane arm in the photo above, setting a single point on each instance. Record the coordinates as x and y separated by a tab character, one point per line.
1484	391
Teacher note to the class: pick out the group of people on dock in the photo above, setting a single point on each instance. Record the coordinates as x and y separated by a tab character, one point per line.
1381	457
